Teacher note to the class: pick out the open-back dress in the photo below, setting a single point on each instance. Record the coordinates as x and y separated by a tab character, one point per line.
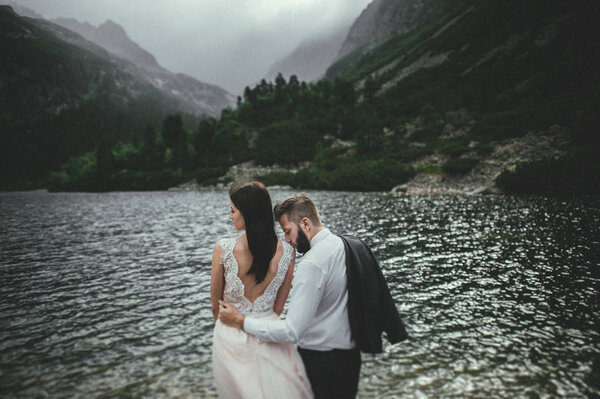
243	366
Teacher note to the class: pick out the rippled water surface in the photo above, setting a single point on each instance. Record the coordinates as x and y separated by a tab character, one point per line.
107	295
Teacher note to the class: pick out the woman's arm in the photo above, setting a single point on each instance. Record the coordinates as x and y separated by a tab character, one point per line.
284	290
217	281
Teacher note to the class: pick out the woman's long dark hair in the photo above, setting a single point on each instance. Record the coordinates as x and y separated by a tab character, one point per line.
254	202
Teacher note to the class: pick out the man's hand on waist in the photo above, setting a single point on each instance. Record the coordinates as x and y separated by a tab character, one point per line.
230	316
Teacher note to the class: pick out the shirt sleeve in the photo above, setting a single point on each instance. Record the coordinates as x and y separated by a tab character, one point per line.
307	290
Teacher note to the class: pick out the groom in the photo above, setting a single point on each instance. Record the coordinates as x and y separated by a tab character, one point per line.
317	318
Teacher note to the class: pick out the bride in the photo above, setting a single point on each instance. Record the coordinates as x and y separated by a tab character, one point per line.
254	273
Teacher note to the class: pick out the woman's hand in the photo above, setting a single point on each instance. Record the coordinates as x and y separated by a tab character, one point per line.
230	316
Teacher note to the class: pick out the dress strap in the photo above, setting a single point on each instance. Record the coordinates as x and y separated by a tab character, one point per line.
227	245
286	258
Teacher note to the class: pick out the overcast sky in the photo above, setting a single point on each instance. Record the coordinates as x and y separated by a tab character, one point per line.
230	43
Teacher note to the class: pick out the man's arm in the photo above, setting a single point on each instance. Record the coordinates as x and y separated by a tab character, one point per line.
307	291
229	315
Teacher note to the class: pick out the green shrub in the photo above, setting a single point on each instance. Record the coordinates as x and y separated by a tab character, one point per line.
77	174
484	148
406	153
277	178
349	174
81	166
575	173
370	175
459	166
428	133
430	169
207	176
452	147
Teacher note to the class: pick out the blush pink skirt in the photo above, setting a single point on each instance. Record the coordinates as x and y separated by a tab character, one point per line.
244	367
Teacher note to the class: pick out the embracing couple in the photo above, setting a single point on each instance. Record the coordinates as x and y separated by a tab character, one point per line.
338	307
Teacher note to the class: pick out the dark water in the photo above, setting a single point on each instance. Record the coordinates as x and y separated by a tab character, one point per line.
107	295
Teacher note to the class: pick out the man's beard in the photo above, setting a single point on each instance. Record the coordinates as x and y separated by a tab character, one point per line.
302	243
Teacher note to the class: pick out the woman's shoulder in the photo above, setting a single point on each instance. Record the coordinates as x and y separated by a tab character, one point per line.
226	244
288	251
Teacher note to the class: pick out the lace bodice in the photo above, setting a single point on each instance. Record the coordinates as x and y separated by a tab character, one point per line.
234	288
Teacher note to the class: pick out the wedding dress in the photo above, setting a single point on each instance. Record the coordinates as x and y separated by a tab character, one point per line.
243	366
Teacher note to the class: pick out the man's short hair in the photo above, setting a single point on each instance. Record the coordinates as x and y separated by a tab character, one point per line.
296	208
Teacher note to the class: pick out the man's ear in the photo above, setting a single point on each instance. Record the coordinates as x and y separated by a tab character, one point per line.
305	223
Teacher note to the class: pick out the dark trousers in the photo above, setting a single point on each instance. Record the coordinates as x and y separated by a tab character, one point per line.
332	374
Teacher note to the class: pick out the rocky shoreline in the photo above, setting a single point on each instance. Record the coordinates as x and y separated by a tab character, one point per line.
534	146
244	171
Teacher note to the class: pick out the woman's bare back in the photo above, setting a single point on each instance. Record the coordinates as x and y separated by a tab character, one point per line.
243	257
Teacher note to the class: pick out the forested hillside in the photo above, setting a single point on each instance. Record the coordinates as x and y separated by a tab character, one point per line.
511	68
61	96
502	95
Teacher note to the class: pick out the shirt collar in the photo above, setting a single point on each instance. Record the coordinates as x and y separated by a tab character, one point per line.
319	236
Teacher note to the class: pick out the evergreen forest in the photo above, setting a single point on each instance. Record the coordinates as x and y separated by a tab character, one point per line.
470	76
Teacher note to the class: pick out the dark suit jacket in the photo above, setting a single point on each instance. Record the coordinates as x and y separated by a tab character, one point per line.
371	309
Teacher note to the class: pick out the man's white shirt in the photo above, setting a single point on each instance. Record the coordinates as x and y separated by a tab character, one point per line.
317	316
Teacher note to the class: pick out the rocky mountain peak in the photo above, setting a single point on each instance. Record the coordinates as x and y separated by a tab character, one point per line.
114	38
85	29
20	10
193	96
379	21
111	27
7	10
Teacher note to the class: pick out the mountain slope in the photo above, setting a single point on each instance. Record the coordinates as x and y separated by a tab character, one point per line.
514	68
471	96
310	60
381	20
193	96
535	50
21	10
113	38
62	95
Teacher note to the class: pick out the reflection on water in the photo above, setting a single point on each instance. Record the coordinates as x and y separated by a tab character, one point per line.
108	294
